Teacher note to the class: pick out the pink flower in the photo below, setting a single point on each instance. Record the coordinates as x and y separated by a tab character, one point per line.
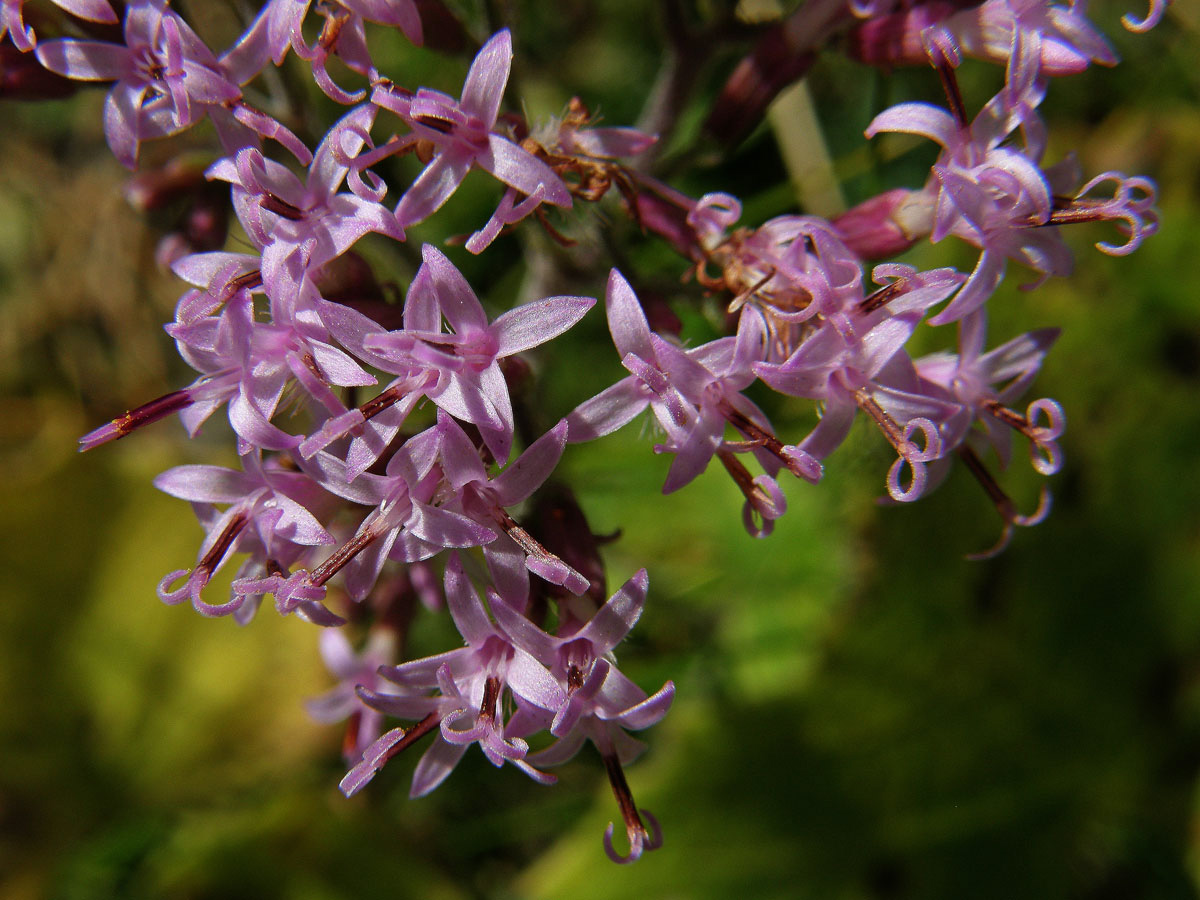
278	29
308	222
166	81
470	385
472	682
462	133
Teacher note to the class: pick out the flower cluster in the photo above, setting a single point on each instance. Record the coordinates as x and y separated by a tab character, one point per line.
387	458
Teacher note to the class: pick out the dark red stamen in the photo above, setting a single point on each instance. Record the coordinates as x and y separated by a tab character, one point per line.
218	550
382	401
491	695
635	829
1003	503
883	296
1011	418
280	207
440	125
345	553
954	97
151	412
412	735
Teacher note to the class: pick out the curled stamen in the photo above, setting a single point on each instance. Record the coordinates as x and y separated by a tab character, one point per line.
916	483
1131	205
1153	16
915	458
197	579
909	452
294	593
764	500
1003	503
1044	451
640	840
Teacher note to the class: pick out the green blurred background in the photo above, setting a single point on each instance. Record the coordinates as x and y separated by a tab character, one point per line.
861	713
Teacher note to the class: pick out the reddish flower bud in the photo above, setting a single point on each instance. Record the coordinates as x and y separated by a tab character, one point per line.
773	64
886	225
895	39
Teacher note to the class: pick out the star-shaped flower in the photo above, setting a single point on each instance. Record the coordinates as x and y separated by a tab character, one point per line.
462	133
470	385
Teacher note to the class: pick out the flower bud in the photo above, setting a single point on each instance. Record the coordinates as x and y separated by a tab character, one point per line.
887	224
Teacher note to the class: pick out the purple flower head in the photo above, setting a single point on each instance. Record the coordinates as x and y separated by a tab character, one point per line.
985	192
462	134
249	365
986	384
270	515
166	81
601	703
407	522
471	682
792	268
995	194
242	362
694	394
470	385
373	425
841	373
705	395
1060	39
307	222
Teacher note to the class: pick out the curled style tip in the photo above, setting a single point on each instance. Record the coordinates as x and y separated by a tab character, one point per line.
914	456
1044	452
1003	503
1158	9
640	840
1131	207
765	502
